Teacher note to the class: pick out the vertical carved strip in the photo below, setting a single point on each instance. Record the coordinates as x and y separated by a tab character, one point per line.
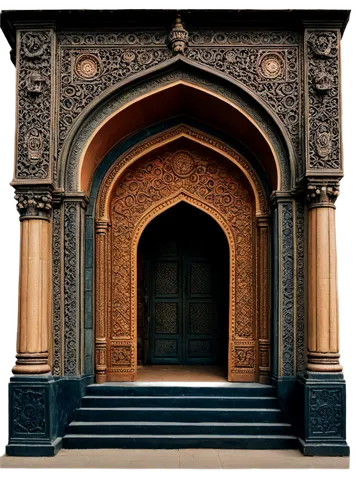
287	291
70	288
263	297
300	288
35	83
56	279
101	292
323	100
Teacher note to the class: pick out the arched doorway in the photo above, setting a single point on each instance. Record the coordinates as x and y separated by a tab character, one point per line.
183	290
135	193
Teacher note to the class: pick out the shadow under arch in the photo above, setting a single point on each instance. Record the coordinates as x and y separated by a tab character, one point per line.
177	71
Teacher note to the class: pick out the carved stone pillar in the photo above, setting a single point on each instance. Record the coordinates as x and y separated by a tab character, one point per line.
34	316
263	299
102	293
323	341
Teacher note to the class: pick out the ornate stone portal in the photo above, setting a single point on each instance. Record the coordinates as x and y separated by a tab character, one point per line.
149	187
116	126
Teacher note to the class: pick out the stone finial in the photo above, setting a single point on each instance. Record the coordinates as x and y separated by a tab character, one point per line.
178	37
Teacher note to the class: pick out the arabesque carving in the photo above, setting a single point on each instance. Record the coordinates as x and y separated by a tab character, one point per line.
273	74
323	100
35	67
143	191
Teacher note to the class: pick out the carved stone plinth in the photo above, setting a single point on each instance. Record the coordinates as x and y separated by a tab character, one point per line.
321	413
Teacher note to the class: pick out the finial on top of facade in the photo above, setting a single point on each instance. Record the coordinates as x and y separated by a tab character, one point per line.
178	37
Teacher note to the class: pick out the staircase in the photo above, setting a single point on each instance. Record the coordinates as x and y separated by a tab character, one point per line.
161	415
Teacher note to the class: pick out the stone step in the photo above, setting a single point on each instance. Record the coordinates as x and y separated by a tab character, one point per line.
170	441
179	401
178	428
163	414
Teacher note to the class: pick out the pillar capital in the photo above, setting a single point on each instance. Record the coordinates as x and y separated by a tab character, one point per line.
34	203
322	192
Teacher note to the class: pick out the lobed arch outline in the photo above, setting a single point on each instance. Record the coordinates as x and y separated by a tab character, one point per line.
124	162
119	97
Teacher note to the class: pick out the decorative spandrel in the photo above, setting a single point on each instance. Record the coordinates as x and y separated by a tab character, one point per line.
266	62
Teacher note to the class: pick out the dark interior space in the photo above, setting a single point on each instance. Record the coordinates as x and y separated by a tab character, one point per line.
183	267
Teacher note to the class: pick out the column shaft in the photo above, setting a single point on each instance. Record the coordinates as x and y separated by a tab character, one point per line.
34	316
323	333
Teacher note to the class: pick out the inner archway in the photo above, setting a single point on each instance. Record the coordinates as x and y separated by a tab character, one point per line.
183	290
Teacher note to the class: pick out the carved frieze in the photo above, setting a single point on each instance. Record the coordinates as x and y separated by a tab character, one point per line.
323	100
33	204
35	124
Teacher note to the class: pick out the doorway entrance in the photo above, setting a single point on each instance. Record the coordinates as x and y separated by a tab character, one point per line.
183	264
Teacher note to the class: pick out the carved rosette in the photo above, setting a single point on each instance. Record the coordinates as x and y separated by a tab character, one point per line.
34	204
35	66
178	37
322	192
322	89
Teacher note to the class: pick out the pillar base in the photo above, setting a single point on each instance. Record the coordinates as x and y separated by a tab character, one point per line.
40	408
322	419
33	416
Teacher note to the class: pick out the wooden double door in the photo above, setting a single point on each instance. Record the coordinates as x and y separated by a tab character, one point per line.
185	288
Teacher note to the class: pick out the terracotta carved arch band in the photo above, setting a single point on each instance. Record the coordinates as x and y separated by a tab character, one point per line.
181	165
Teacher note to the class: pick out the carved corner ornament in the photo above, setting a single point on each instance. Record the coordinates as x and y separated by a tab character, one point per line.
34	204
178	37
322	192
